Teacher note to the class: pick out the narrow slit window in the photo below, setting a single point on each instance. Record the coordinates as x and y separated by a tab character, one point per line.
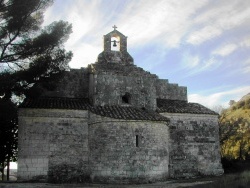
137	140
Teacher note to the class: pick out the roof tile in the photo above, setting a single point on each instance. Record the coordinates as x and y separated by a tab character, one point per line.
117	112
177	106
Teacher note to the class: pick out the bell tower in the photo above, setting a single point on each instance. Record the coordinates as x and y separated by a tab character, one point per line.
115	49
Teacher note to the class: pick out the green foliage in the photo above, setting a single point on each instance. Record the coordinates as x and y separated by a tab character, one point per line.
31	57
235	130
30	54
244	103
8	132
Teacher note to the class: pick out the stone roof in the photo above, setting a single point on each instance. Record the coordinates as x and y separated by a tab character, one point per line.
115	32
117	112
177	106
56	103
125	70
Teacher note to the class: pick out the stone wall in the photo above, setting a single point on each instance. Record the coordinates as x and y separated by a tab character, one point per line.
33	148
110	82
128	151
165	90
194	141
110	88
78	146
107	83
65	146
74	84
53	144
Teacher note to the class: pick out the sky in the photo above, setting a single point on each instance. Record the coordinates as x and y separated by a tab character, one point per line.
201	44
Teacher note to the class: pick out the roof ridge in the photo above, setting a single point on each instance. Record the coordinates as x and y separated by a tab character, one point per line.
181	106
114	111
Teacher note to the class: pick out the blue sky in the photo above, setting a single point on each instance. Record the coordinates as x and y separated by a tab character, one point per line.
201	44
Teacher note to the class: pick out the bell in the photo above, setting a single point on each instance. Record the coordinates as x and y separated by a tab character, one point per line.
114	45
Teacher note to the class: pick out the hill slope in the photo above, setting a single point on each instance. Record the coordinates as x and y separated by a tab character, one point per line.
235	129
240	109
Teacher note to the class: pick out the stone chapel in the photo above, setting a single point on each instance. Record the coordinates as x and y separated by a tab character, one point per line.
113	122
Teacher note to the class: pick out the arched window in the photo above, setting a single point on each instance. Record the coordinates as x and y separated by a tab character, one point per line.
126	98
115	43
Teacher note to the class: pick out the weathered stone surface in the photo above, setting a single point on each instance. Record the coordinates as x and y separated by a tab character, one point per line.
74	84
110	82
49	139
109	56
178	106
69	173
194	144
165	90
113	122
116	157
109	90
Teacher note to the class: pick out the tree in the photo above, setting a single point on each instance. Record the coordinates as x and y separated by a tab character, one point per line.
231	102
8	134
31	57
234	138
30	54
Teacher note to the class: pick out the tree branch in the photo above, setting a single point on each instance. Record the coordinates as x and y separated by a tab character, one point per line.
11	67
11	40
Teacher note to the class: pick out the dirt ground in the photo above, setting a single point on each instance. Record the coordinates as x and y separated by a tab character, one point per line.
167	184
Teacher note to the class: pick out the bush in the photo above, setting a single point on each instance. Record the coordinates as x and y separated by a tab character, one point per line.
235	165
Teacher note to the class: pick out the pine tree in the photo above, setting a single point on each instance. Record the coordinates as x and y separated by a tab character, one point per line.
29	53
30	56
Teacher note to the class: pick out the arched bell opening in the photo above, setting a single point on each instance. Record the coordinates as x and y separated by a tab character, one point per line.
115	43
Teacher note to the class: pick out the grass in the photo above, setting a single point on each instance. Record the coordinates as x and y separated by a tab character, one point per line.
236	180
237	175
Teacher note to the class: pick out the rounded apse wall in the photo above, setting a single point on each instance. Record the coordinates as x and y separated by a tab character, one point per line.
128	151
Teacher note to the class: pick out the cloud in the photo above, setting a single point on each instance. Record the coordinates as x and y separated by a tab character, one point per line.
246	66
83	14
167	23
190	61
195	65
218	98
203	35
84	54
86	39
164	25
225	50
162	21
245	42
218	17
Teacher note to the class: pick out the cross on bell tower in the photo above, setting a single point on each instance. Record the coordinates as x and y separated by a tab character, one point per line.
115	41
114	27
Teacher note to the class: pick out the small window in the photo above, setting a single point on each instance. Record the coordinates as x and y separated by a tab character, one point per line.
126	98
137	140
